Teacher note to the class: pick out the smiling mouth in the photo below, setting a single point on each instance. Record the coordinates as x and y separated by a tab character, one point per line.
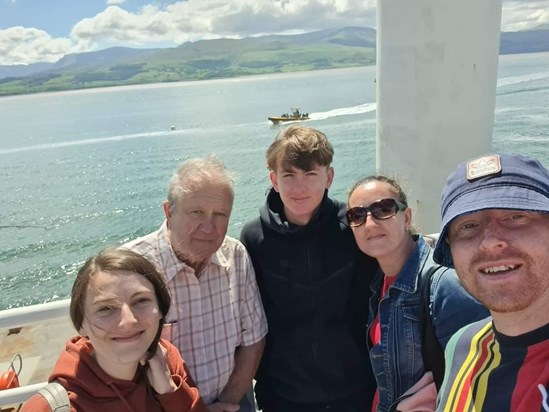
130	338
499	269
374	237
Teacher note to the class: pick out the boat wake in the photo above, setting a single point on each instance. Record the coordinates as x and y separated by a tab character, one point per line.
117	138
508	81
344	111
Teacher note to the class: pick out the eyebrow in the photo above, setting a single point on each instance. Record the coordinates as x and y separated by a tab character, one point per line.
114	298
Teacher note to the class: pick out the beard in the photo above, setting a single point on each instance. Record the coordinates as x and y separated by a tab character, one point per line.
513	295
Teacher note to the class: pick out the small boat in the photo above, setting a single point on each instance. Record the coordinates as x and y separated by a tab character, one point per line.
293	116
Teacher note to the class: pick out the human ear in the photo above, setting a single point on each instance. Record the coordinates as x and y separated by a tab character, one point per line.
167	211
407	218
274	180
330	172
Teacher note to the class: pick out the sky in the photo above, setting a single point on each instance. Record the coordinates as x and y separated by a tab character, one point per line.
34	31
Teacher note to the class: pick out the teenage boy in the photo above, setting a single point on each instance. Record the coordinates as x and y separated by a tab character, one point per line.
307	266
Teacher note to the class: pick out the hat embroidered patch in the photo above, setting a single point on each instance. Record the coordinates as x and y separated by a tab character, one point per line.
485	166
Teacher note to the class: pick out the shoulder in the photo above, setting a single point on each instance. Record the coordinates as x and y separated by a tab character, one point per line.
443	278
480	326
232	253
141	242
461	355
232	246
446	285
332	219
452	306
148	246
251	231
449	296
463	337
338	208
338	204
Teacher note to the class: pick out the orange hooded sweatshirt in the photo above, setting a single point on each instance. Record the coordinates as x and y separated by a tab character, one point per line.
91	389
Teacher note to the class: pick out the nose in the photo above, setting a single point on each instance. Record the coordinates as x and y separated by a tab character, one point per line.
492	237
370	221
127	317
300	184
207	225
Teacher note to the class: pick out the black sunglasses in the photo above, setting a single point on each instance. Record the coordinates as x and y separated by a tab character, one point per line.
380	210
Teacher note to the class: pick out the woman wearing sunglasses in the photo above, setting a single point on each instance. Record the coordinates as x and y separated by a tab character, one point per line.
381	221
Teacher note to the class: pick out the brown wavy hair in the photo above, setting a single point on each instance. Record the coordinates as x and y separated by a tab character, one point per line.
109	260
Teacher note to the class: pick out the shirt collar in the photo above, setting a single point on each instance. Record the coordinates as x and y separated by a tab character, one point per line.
172	263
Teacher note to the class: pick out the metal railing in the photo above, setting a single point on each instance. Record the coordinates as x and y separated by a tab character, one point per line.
26	315
16	396
19	317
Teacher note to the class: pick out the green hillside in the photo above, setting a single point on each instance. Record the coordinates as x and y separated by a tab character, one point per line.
210	59
206	59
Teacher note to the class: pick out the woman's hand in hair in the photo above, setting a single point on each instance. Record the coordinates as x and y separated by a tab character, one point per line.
158	372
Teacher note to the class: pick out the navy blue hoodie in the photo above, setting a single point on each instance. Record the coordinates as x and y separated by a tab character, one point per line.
313	282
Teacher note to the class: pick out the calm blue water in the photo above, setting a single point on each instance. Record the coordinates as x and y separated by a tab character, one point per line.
83	170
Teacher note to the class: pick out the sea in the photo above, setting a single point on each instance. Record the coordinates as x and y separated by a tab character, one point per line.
82	170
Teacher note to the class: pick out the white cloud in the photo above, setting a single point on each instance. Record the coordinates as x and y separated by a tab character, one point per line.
115	24
192	20
198	19
253	17
21	45
524	14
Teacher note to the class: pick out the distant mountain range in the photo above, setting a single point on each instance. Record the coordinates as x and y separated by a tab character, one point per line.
208	59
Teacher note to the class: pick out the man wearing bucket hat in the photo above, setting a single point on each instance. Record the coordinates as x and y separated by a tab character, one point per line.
495	232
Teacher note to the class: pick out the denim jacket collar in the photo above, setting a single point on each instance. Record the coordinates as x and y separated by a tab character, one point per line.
407	278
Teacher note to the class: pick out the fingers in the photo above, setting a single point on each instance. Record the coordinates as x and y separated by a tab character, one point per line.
158	372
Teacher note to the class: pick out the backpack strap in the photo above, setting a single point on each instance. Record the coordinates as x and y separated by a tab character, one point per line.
57	397
431	350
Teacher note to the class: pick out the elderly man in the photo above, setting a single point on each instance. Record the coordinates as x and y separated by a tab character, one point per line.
217	320
495	232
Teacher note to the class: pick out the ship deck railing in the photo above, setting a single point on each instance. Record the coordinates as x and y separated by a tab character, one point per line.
38	333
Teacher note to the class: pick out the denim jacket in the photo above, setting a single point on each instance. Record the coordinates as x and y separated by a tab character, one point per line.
397	360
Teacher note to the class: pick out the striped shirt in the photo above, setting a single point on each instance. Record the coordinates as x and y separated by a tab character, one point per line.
490	372
211	315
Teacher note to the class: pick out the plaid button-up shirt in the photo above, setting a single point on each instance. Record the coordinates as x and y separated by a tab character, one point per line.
211	315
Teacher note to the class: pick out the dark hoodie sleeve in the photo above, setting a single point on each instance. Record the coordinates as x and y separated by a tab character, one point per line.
251	236
186	397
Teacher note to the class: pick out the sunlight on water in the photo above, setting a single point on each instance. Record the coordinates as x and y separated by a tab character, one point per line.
83	170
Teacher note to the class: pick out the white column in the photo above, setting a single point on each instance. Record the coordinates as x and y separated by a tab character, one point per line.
436	86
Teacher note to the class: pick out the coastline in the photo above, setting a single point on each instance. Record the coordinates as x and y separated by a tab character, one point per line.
243	78
181	83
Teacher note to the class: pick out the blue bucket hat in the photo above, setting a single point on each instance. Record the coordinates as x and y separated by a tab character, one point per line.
491	182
